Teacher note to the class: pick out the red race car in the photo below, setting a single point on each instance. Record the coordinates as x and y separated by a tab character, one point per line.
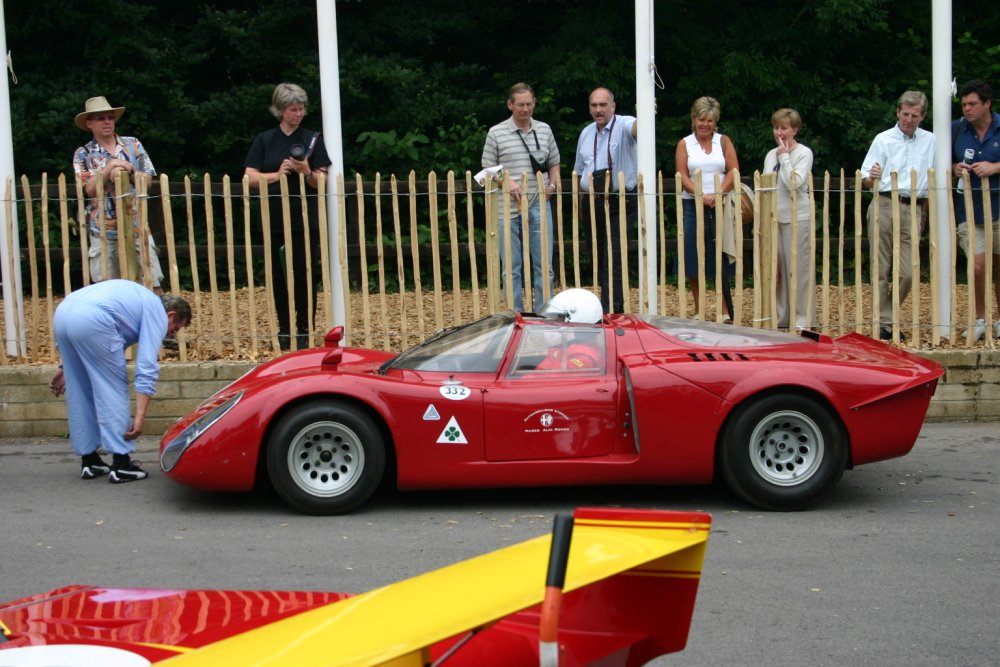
563	398
618	590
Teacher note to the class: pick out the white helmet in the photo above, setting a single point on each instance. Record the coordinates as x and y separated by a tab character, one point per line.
575	305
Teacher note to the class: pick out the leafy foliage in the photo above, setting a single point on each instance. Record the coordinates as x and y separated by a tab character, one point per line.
422	81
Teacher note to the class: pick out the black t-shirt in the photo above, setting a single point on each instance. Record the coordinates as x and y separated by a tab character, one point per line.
267	152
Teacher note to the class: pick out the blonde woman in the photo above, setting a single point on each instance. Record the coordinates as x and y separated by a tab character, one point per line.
712	153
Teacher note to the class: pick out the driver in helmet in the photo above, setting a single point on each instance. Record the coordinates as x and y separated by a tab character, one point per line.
576	351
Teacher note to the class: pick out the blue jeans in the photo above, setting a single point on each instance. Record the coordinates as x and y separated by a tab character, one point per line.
691	243
690	250
534	252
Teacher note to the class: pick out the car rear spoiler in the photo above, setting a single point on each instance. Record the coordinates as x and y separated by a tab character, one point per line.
629	593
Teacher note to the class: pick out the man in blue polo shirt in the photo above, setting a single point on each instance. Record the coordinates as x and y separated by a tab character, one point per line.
978	131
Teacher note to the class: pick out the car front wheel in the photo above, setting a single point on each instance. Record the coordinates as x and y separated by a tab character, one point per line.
783	452
325	458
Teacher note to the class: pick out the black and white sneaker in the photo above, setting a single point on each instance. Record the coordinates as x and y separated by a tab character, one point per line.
92	467
126	470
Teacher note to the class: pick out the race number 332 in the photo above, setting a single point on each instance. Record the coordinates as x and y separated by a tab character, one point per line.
455	392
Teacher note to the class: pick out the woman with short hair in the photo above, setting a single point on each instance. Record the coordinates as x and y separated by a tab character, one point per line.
291	150
788	160
712	153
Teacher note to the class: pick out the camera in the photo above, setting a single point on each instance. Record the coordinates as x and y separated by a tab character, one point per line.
297	152
598	181
967	158
536	164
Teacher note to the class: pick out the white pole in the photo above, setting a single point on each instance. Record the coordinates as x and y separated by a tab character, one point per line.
12	297
329	77
645	84
942	77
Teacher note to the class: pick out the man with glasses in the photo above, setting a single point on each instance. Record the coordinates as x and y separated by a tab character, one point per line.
101	159
523	145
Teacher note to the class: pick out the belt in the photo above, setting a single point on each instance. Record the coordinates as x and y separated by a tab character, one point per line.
614	193
110	224
904	197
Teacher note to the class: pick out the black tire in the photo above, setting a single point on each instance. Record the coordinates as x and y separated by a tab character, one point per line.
325	457
783	452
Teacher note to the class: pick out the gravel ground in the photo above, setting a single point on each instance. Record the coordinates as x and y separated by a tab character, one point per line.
220	328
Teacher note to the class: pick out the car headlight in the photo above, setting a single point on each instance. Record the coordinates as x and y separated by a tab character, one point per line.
174	449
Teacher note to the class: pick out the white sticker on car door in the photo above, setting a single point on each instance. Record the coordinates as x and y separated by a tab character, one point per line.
455	392
452	434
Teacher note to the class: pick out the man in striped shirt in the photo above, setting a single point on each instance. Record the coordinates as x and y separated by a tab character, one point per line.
523	145
900	149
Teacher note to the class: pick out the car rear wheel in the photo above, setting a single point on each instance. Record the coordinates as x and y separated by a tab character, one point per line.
783	452
325	458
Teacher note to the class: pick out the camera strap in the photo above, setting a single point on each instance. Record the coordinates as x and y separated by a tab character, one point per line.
312	145
536	165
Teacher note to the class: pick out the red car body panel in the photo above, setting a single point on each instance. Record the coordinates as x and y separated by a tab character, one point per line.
631	579
654	415
162	624
154	623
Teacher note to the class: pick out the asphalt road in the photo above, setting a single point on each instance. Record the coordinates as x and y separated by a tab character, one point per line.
899	566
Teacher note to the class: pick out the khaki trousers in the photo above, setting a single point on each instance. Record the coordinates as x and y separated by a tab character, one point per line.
885	264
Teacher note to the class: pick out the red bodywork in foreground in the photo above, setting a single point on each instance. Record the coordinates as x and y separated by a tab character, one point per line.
631	578
778	416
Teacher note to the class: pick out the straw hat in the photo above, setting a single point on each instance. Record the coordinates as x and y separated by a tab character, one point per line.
96	105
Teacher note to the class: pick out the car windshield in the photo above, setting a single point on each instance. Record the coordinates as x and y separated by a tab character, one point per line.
477	347
711	334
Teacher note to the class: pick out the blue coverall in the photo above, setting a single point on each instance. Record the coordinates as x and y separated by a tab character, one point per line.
93	326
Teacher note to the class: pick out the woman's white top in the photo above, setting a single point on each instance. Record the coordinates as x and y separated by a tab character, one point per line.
799	162
710	163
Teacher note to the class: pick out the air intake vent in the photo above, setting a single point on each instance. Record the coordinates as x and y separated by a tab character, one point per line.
718	356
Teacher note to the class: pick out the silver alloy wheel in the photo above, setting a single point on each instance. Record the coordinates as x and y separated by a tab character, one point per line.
786	448
326	459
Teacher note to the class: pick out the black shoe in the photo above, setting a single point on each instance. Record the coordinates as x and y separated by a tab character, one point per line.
125	469
885	333
92	467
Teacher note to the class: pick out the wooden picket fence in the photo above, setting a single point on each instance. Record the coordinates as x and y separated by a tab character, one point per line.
416	257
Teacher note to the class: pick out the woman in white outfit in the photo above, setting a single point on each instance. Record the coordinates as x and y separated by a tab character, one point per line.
792	163
714	154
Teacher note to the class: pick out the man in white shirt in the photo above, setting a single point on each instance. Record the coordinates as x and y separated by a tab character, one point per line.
902	148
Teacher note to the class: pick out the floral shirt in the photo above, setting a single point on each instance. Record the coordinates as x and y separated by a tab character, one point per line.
92	157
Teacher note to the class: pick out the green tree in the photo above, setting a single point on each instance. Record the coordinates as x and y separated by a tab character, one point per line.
196	78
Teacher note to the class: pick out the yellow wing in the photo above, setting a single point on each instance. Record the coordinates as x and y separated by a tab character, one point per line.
394	625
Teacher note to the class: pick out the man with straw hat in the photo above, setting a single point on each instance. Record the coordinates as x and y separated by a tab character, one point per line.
102	159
